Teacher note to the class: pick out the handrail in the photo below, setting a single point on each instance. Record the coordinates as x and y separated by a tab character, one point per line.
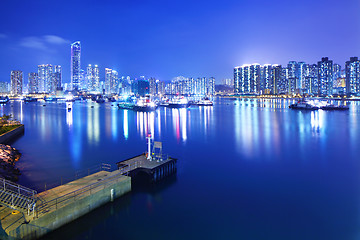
71	177
16	188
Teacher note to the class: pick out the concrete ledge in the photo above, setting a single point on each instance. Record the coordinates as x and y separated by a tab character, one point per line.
12	135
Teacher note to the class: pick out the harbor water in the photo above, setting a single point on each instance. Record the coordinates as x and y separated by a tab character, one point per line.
247	168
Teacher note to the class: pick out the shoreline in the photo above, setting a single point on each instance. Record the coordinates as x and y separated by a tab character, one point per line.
288	98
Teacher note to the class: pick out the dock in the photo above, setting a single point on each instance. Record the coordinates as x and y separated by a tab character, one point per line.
153	170
26	214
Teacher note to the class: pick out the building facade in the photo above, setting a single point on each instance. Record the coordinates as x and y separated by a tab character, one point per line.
33	83
325	76
352	76
16	82
75	65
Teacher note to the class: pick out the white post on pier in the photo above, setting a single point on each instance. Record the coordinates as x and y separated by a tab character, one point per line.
149	147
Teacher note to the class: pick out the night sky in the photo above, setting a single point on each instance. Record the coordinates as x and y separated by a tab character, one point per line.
164	39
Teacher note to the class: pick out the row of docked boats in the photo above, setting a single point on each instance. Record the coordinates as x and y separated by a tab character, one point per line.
145	104
306	105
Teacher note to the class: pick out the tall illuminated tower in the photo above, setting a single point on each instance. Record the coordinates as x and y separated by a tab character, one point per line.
45	72
325	76
75	65
16	82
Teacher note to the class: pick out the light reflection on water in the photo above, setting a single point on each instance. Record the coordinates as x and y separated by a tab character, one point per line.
264	158
261	128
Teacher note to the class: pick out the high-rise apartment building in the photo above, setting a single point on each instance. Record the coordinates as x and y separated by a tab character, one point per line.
294	76
325	76
111	81
352	76
57	78
92	76
45	72
33	82
16	82
75	65
4	87
276	78
247	79
210	86
267	79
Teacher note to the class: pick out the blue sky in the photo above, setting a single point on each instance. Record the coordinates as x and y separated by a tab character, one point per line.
164	39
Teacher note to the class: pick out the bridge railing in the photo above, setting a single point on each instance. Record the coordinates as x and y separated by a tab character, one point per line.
75	195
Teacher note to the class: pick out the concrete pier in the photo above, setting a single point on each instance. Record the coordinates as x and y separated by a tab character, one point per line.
153	170
61	205
32	215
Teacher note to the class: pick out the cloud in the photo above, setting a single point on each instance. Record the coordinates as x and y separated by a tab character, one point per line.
33	42
55	39
2	36
43	42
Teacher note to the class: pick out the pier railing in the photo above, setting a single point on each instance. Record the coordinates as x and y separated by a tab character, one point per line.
69	178
55	203
17	196
16	188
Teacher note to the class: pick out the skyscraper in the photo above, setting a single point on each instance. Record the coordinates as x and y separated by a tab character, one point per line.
33	82
352	71
302	67
16	81
312	77
276	78
336	73
4	87
75	65
45	78
210	86
111	81
325	76
293	76
247	79
57	78
267	79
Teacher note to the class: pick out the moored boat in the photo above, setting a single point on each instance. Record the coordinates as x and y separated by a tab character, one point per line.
29	99
145	105
50	99
335	107
205	102
126	105
4	100
303	105
178	103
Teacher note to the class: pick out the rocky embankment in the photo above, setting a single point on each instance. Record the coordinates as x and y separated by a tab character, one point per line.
8	158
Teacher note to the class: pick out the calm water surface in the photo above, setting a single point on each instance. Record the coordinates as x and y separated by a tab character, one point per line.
247	169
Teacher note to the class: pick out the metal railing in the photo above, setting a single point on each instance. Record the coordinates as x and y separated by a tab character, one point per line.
85	191
17	196
159	157
78	174
7	185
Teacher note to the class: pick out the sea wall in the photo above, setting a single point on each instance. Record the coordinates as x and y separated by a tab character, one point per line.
8	137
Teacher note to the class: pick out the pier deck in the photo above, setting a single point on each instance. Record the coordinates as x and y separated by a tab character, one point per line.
63	204
156	169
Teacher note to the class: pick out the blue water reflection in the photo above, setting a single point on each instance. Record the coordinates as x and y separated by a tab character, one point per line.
248	168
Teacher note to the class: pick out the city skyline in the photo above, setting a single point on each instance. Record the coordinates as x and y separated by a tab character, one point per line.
165	40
